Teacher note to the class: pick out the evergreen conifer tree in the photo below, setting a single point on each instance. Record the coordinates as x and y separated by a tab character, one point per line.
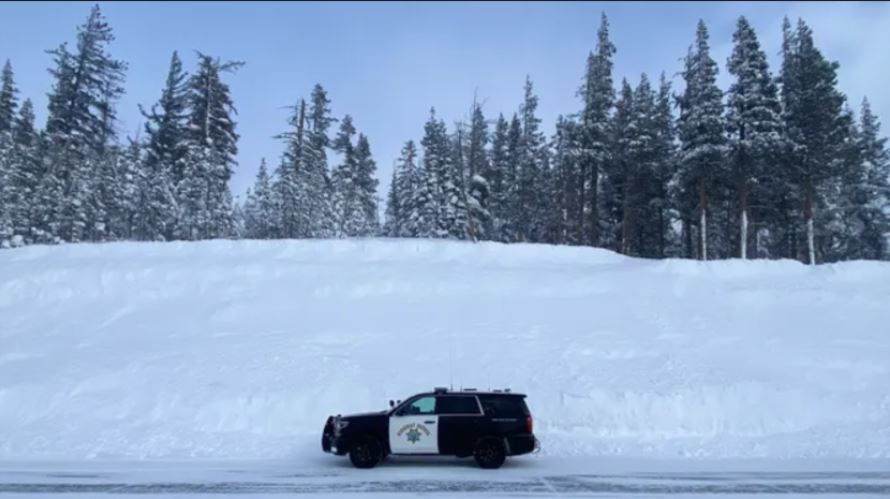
598	96
753	122
701	129
204	196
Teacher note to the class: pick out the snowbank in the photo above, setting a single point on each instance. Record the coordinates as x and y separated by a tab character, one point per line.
240	349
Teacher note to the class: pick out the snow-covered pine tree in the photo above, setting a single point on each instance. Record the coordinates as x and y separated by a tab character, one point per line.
531	204
876	165
458	163
841	222
203	195
753	121
598	95
868	190
8	107
423	206
453	216
401	212
24	174
366	189
510	229
166	151
348	200
292	215
238	224
476	142
476	175
640	219
192	195
478	195
568	212
701	129
392	210
249	214
616	172
303	187
815	125
120	189
8	99
79	126
259	209
499	168
782	237
665	171
313	177
443	183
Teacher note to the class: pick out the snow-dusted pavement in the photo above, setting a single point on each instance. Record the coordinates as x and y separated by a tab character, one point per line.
523	477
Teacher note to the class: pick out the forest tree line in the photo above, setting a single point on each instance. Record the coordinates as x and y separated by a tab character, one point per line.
775	166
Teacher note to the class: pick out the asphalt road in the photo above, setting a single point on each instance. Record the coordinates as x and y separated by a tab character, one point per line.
412	477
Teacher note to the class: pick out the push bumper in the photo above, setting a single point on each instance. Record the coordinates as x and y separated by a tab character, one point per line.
330	441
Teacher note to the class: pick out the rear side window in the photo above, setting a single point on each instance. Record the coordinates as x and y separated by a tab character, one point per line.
457	404
505	407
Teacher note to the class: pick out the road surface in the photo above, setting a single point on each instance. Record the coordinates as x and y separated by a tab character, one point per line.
533	476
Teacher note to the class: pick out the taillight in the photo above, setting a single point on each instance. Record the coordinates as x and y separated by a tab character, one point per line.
528	423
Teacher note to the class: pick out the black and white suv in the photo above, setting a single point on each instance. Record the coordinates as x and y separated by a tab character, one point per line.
486	425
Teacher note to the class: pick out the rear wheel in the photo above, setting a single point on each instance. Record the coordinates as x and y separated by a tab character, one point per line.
366	453
490	453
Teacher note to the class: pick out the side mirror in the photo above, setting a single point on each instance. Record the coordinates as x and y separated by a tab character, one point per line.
392	403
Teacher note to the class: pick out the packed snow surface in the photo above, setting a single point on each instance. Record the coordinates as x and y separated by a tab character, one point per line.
241	349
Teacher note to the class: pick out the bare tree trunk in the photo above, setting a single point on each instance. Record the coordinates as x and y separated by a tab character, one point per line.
808	215
743	235
580	206
627	219
661	231
758	243
703	230
687	236
594	210
810	246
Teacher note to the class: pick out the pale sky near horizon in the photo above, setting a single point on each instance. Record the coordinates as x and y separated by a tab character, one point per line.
387	63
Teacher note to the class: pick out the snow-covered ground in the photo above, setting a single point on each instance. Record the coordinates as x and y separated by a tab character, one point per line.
240	349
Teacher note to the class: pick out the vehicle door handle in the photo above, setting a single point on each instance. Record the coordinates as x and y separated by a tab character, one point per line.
429	422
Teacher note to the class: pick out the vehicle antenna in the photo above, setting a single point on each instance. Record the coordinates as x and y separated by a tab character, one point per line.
450	360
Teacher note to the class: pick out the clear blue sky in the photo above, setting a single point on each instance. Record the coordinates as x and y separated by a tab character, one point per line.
387	63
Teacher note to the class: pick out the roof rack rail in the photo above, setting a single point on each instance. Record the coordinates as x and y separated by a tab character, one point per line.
469	389
506	390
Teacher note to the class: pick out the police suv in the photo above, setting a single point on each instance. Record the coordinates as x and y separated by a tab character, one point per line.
486	425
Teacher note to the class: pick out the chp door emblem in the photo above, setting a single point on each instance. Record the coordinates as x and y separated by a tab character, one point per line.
413	432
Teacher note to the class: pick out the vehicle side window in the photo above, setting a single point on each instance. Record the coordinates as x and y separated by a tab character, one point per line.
457	404
505	407
423	405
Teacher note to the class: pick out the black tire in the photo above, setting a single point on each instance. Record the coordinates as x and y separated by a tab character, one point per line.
366	453
490	453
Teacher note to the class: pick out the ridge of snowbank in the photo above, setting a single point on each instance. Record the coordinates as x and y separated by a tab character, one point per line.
239	349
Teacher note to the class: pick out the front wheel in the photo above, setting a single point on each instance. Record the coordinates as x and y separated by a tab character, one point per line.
366	453
490	453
